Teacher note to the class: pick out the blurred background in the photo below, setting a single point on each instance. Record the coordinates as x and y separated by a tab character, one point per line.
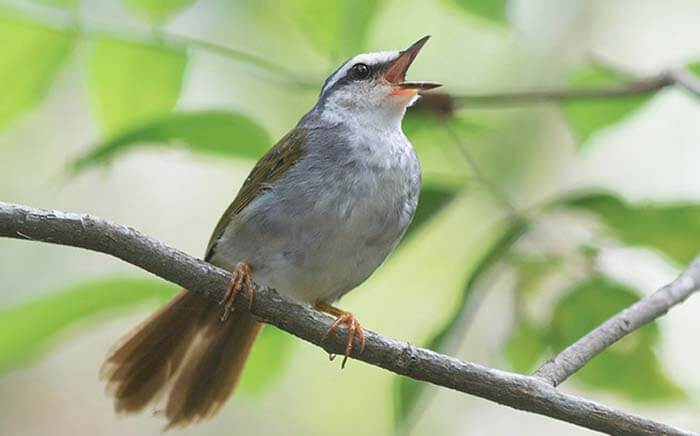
539	217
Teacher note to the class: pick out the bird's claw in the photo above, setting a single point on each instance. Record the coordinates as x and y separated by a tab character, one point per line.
241	281
354	330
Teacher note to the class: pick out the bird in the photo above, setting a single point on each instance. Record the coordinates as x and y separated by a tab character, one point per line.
318	214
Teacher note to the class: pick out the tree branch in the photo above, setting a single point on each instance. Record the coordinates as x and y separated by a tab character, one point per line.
444	105
642	312
687	80
518	391
641	86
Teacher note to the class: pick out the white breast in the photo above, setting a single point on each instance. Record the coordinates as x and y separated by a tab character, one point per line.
332	219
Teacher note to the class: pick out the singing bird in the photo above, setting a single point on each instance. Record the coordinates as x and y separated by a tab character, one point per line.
317	215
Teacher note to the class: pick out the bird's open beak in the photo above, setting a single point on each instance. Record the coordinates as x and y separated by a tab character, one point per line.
396	73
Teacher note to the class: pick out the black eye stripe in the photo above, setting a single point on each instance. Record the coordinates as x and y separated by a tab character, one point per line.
376	70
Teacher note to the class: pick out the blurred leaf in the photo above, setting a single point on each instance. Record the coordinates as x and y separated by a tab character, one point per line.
525	346
35	324
621	373
495	254
214	132
65	4
694	68
433	198
407	391
420	122
527	342
268	359
671	229
532	270
337	28
586	116
133	82
428	134
157	11
491	10
31	57
439	158
629	367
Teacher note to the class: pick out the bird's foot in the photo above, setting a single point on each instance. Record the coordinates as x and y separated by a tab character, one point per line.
353	325
242	281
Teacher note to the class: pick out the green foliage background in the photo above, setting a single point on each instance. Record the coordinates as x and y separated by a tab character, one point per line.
153	114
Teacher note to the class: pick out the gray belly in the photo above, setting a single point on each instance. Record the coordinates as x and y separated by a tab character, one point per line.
314	238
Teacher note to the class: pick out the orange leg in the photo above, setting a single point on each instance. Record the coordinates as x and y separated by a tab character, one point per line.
346	318
241	282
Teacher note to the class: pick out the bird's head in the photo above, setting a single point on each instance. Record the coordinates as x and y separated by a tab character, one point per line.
373	84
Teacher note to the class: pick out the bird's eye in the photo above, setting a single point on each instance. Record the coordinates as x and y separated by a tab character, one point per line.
359	71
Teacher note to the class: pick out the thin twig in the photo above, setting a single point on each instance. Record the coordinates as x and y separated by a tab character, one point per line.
642	312
638	87
687	80
494	187
521	392
646	85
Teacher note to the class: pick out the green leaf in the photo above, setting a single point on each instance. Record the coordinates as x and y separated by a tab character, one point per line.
527	342
525	346
157	11
212	132
433	198
31	58
131	82
64	4
417	122
694	68
532	270
35	325
495	254
672	229
490	10
629	368
587	116
38	324
337	28
437	150
267	360
407	391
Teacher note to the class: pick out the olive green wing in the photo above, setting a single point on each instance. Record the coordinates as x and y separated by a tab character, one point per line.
269	168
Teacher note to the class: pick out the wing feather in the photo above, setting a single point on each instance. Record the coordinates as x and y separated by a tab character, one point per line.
269	168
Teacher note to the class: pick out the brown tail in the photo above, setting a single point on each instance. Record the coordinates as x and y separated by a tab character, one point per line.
183	349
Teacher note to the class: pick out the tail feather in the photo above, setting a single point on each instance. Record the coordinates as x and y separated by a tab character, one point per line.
208	378
140	365
184	352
